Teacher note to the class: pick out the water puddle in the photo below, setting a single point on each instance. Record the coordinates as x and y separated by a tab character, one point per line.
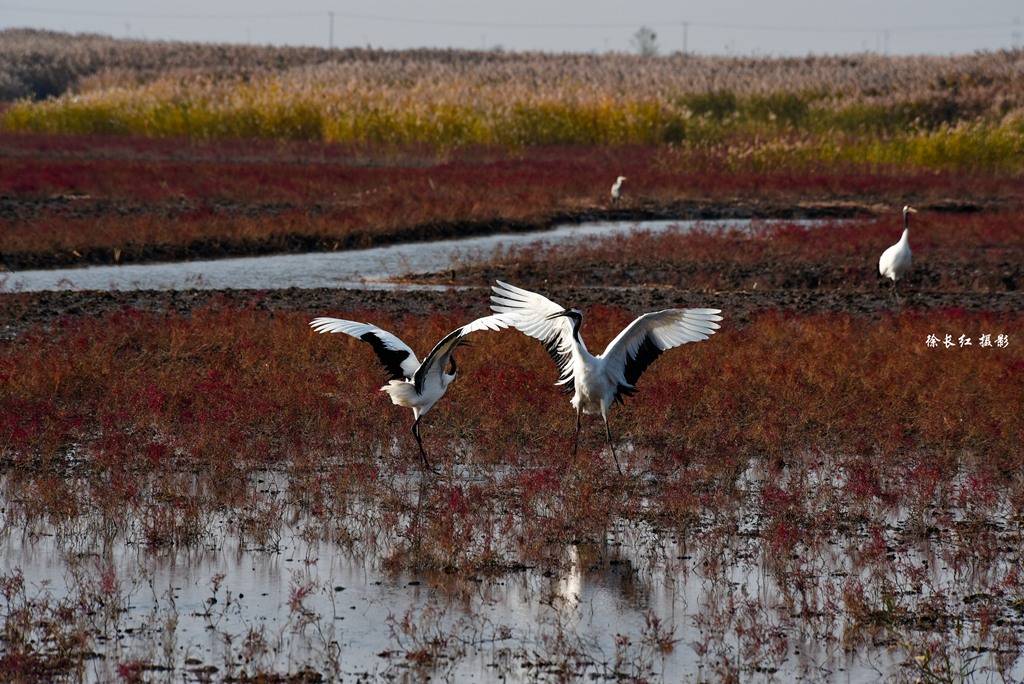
311	604
354	269
639	603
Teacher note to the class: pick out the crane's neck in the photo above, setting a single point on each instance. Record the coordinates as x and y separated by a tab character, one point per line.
578	345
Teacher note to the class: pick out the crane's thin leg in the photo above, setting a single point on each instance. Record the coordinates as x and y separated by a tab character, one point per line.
576	434
419	441
608	431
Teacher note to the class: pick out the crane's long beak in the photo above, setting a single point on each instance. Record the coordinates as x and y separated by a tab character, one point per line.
556	315
912	210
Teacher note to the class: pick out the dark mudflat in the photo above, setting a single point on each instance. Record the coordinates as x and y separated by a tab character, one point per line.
21	311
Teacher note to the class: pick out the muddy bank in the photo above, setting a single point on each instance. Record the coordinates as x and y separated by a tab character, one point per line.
15	208
28	209
19	312
844	275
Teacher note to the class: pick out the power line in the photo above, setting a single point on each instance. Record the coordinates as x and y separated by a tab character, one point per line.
938	28
154	15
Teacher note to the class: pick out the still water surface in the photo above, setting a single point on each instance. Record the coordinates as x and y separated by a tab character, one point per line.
358	269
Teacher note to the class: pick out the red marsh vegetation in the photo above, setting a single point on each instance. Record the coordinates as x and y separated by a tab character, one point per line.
66	200
869	479
225	391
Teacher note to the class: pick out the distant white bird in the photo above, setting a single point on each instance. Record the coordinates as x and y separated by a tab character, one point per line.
410	383
895	261
599	381
617	189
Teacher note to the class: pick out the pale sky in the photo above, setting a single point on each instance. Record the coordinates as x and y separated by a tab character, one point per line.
776	27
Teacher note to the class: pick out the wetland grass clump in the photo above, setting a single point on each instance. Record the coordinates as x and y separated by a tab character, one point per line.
923	113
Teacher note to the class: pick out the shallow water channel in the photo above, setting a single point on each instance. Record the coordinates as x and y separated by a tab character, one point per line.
641	603
316	604
359	269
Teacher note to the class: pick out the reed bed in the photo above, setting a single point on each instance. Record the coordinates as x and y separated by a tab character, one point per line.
464	115
963	112
711	84
39	64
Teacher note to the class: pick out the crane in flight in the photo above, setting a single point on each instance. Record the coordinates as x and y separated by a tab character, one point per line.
411	383
597	382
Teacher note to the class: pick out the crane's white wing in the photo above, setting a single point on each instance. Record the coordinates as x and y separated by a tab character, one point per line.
438	357
398	359
646	338
529	314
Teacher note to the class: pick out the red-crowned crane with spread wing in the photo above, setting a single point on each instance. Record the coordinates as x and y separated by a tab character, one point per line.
410	383
599	381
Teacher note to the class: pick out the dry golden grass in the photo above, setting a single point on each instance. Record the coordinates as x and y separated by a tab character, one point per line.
924	111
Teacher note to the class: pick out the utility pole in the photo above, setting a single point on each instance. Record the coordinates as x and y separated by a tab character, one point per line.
686	36
330	39
885	40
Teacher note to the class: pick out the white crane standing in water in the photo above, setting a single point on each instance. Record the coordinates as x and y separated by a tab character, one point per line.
895	261
410	383
617	189
599	381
